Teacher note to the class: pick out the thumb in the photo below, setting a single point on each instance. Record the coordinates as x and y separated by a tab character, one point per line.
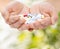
54	17
5	14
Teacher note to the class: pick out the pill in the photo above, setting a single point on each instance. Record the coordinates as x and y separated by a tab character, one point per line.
25	15
30	18
34	17
42	16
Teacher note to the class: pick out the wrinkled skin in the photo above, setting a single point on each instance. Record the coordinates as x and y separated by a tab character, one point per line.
10	14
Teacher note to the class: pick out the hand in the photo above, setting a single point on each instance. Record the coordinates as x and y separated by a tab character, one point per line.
48	11
10	14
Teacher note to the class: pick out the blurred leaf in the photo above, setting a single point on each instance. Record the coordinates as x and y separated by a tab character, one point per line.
23	35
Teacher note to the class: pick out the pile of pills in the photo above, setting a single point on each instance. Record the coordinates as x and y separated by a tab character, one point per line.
31	18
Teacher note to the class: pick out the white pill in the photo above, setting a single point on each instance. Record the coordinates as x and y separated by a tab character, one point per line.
34	18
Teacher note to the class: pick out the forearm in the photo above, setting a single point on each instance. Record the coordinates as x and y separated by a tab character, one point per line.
3	3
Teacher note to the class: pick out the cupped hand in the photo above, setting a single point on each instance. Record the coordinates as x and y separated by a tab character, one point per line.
11	12
48	11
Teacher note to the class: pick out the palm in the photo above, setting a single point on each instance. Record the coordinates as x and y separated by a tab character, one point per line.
48	11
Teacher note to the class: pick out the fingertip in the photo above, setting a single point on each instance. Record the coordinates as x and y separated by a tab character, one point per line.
31	27
13	19
54	16
54	20
24	27
5	15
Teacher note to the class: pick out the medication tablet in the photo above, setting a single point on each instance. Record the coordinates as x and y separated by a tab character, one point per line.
31	18
34	18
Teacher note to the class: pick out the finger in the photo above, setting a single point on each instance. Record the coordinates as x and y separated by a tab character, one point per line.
41	24
45	14
18	24
13	19
24	27
25	10
34	9
51	12
49	9
31	27
5	14
45	22
54	16
37	24
15	7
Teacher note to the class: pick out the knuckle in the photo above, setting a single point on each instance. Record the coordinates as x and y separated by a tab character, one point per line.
13	19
